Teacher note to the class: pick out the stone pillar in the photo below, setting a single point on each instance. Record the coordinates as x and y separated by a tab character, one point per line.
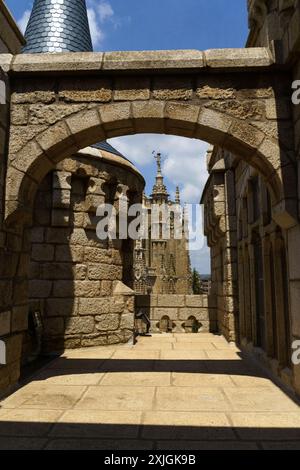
270	315
12	295
248	297
241	283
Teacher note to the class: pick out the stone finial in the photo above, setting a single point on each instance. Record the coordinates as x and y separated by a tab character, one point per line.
159	192
177	195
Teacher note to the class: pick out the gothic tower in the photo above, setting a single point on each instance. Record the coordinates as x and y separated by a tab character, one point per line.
162	264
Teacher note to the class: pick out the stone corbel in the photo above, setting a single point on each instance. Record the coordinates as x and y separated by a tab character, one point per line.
61	198
95	195
122	200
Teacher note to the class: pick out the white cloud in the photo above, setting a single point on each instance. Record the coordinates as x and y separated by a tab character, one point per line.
96	32
22	22
184	161
101	14
201	260
184	164
105	11
138	148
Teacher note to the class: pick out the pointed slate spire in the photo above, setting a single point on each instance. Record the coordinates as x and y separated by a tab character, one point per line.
58	26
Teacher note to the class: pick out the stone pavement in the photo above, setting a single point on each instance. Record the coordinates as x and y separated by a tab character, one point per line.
170	391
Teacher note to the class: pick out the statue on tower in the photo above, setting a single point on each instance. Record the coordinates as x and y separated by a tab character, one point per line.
158	161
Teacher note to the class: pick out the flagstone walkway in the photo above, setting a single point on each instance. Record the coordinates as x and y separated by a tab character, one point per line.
170	391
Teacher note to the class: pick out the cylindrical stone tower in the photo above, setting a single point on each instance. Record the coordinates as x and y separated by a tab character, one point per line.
58	26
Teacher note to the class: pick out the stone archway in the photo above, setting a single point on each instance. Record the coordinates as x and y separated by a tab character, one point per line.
28	166
236	98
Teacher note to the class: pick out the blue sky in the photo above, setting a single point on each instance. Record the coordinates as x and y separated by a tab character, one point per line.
163	24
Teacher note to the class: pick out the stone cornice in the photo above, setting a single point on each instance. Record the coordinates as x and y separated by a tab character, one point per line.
139	61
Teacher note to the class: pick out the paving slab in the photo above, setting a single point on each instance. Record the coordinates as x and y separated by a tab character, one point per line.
195	399
193	346
98	423
63	377
117	398
137	379
28	422
259	399
186	426
263	426
250	381
168	392
184	379
44	397
183	355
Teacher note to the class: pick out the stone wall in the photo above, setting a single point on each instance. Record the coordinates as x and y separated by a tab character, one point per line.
220	230
75	279
276	24
53	263
11	38
178	309
4	116
219	96
13	340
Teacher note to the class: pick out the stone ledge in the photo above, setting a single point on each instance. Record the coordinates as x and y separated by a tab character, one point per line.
153	60
6	61
60	62
238	58
163	61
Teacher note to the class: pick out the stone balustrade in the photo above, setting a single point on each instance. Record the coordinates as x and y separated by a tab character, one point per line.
179	311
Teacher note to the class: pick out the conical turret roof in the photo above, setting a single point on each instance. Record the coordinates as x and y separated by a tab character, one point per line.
58	26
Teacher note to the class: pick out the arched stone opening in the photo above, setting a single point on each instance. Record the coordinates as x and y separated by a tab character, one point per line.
165	324
28	166
191	325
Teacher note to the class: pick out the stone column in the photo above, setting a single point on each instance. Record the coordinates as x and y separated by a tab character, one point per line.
294	291
248	296
241	283
270	315
283	328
